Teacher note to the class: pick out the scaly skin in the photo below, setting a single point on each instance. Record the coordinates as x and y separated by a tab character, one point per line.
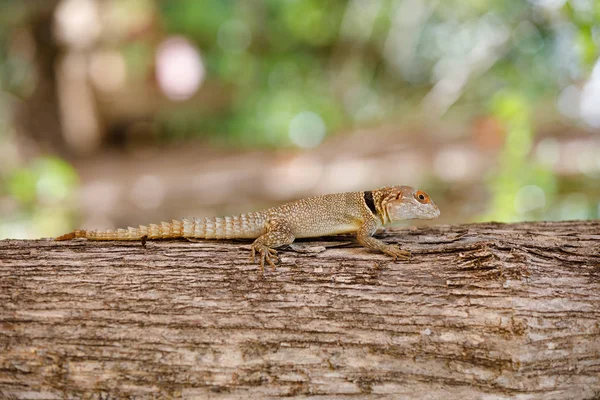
353	212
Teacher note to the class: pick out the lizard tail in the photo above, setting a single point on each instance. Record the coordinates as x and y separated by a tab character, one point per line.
165	230
72	235
244	226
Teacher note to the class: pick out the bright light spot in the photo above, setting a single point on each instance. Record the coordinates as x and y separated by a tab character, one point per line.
529	198
590	98
549	4
51	188
234	36
590	103
107	70
77	22
548	152
179	68
585	8
147	192
307	129
568	101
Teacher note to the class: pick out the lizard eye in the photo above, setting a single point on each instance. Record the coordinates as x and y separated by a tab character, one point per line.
422	197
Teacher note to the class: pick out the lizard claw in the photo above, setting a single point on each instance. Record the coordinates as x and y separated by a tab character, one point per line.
395	251
265	254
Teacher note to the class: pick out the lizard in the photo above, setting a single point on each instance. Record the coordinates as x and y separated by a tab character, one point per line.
361	213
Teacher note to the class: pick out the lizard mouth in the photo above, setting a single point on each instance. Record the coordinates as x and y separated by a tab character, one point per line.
435	213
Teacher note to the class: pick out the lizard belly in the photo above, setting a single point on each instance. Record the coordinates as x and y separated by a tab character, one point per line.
319	229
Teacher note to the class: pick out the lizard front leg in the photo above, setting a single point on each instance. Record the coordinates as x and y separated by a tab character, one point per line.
364	236
278	234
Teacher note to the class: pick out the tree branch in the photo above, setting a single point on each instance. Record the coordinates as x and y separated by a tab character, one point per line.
488	309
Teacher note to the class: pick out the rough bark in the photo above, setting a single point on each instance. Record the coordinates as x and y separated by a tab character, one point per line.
482	311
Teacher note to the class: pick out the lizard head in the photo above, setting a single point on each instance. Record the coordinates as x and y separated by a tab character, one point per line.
405	202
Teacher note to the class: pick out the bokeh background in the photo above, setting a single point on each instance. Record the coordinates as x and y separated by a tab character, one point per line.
122	112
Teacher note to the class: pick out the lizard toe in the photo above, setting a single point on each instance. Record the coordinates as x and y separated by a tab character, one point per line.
271	263
265	254
395	251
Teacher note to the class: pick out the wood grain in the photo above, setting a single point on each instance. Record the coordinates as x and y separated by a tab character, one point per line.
485	311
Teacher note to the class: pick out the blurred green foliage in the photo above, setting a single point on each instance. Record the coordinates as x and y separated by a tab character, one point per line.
515	170
47	181
274	57
279	67
41	195
285	57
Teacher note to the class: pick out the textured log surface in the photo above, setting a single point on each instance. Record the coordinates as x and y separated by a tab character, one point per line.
486	311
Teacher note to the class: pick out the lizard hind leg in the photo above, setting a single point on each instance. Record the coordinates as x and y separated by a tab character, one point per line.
278	234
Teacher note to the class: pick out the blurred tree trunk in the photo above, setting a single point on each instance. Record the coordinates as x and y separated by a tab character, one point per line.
481	311
38	116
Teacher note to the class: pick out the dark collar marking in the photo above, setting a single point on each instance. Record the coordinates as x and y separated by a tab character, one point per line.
368	196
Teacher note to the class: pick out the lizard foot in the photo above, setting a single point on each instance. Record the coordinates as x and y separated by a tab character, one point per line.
265	253
395	251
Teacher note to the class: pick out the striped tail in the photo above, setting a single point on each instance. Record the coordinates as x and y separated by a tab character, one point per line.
244	226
